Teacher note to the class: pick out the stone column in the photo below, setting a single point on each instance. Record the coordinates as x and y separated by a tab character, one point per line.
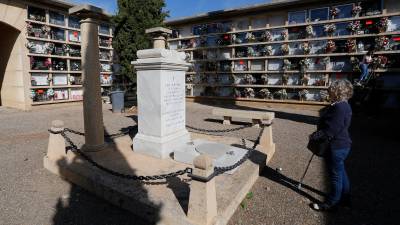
92	105
161	98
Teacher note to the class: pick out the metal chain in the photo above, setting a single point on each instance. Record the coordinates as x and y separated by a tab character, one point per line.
188	170
75	148
107	135
219	131
220	170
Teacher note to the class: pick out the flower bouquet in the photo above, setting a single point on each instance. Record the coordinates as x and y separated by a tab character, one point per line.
379	61
330	28
189	78
265	93
305	63
383	24
284	35
49	47
309	31
285	49
351	45
304	80
356	9
382	43
281	94
50	93
250	37
354	26
355	63
303	94
29	29
325	61
45	30
286	64
334	12
305	46
249	79
321	81
266	50
264	78
266	36
330	46
249	93
285	79
251	52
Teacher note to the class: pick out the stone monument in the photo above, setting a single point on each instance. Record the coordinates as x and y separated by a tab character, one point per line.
161	98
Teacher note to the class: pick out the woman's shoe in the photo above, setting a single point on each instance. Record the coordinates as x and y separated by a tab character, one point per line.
323	207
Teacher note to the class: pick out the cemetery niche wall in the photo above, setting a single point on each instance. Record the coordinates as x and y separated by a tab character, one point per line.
51	54
288	56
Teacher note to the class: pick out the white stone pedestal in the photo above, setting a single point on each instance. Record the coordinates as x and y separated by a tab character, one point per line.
161	102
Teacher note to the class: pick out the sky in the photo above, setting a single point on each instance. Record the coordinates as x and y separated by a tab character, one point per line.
180	8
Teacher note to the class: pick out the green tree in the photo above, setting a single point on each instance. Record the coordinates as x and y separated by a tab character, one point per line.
131	21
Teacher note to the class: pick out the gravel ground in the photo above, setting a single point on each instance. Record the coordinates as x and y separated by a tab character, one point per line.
31	195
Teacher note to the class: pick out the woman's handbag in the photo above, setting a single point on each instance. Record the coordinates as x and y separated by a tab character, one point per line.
319	143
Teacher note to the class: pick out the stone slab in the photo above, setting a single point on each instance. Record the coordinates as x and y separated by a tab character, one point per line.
222	154
163	202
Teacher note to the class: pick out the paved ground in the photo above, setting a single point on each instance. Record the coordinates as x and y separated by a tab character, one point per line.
31	195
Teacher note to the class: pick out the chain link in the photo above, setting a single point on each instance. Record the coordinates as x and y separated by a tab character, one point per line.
107	135
220	170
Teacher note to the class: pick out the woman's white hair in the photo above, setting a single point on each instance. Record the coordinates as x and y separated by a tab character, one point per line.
340	90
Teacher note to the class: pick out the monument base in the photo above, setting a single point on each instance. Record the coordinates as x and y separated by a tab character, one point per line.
160	147
165	203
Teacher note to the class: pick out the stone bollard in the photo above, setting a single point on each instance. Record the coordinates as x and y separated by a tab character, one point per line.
203	200
266	145
56	147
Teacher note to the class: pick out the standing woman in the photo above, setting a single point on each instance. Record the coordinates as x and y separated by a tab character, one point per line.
335	123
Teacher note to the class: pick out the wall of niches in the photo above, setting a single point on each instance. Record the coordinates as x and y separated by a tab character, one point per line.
292	55
53	42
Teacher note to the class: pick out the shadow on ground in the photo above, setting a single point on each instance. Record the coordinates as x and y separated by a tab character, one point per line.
373	171
278	113
81	207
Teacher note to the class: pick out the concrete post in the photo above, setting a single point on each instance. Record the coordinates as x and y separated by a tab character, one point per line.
203	199
266	145
92	105
56	147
